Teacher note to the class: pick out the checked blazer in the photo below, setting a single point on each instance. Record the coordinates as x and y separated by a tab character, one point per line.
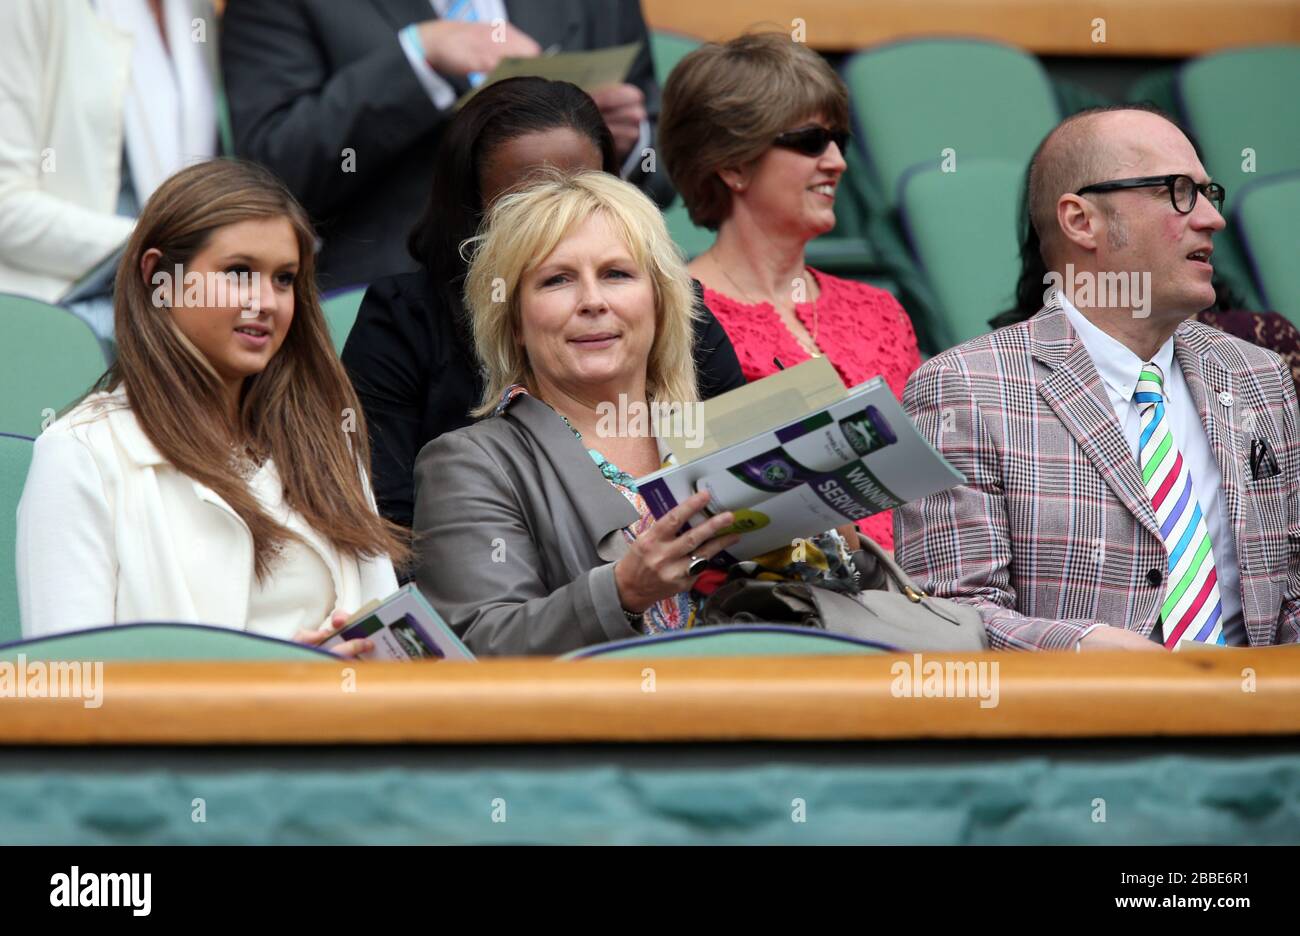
1053	530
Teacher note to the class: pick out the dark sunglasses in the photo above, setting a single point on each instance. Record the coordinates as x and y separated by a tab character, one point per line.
1183	190
813	141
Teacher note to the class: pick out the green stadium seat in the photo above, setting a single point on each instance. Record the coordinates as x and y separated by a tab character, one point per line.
340	310
692	240
15	457
1157	87
1073	96
842	256
1266	214
1244	100
962	227
49	358
669	48
1243	107
166	642
912	100
731	641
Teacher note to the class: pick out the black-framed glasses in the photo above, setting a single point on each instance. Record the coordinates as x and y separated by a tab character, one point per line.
1183	190
813	141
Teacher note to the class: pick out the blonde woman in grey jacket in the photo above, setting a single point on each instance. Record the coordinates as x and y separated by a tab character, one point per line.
532	537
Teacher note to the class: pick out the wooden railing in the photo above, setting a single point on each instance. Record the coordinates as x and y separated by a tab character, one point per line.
1141	28
1228	692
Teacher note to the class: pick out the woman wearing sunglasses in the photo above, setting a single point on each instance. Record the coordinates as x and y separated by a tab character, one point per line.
753	133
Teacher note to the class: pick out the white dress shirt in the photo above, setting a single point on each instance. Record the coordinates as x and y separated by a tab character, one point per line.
1119	368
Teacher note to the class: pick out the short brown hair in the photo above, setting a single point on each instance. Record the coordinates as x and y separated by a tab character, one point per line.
724	104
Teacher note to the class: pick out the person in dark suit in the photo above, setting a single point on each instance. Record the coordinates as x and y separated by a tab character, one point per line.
409	354
346	102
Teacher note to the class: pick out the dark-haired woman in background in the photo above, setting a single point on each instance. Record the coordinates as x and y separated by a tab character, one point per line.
410	354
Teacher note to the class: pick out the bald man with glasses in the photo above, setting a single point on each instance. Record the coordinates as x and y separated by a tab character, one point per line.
1132	476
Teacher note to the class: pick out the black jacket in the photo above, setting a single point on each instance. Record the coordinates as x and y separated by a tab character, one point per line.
321	93
417	378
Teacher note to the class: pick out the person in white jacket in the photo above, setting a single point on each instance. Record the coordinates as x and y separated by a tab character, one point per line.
217	473
100	101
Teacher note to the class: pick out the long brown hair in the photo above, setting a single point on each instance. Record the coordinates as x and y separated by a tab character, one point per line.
301	411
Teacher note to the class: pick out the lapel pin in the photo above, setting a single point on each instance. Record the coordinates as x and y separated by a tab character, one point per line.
1225	398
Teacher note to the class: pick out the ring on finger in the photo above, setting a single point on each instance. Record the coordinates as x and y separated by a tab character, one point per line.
698	565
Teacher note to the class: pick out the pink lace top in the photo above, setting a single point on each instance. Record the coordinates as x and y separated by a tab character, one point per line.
862	330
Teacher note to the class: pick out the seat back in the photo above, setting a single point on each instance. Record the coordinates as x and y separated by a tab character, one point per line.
732	641
962	227
1266	214
667	49
692	239
1244	108
15	457
49	358
915	101
161	642
341	310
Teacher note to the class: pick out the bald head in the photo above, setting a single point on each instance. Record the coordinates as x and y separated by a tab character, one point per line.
1089	147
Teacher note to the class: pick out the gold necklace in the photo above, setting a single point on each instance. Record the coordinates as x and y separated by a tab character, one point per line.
814	351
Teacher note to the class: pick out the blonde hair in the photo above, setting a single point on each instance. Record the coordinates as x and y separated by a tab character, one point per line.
724	104
522	229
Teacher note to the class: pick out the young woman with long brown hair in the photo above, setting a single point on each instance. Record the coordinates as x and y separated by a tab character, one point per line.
217	472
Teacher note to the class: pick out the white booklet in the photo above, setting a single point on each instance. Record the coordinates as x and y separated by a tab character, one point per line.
403	626
839	463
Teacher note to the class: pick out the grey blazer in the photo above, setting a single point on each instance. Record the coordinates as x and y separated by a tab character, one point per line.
517	534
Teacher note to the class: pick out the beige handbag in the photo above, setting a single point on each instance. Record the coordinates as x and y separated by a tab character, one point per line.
890	610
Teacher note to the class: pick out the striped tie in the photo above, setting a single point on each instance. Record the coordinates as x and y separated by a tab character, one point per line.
1191	610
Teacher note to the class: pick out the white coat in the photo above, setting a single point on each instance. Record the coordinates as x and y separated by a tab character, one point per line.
109	532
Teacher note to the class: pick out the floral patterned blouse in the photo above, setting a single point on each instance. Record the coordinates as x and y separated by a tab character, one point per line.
862	330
